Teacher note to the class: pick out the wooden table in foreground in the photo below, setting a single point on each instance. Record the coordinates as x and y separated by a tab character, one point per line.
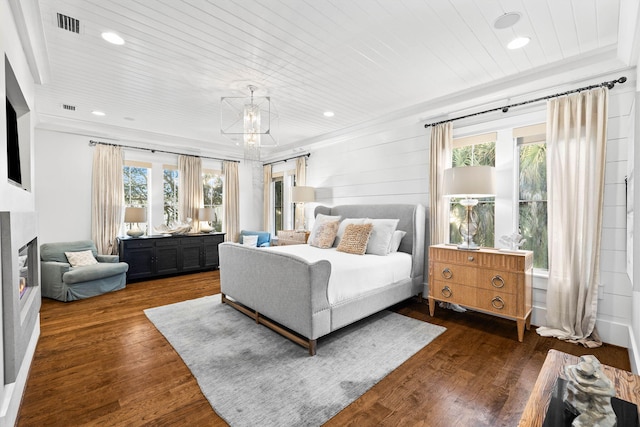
627	386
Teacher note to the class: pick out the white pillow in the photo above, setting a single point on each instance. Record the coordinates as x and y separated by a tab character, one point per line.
343	226
381	235
81	259
394	244
318	226
250	241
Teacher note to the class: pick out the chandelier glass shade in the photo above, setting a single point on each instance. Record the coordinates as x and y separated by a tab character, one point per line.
251	118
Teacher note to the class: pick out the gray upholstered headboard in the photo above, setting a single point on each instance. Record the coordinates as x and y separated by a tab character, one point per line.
412	219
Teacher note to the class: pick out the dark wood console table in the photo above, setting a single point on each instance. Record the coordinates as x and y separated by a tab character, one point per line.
155	256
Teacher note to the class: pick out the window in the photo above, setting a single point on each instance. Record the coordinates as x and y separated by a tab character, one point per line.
532	192
278	202
136	183
479	150
212	194
170	189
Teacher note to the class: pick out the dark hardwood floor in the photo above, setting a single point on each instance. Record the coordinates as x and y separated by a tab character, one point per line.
101	362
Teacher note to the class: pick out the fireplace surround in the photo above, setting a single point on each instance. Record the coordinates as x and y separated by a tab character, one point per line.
18	253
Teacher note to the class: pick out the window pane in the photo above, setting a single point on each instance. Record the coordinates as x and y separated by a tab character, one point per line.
212	193
136	184
170	196
474	155
533	227
532	221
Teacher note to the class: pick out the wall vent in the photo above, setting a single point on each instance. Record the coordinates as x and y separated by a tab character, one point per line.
68	23
68	107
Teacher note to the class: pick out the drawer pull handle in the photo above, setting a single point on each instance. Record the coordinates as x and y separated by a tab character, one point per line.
498	303
470	258
447	292
447	273
497	281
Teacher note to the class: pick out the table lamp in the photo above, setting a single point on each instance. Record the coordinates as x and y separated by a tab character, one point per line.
301	195
470	183
204	216
134	216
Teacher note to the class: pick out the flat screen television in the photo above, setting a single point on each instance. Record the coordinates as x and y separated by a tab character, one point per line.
13	146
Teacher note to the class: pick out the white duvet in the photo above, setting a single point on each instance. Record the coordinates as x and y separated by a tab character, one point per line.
352	275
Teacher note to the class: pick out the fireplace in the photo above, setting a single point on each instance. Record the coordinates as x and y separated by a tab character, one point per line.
20	263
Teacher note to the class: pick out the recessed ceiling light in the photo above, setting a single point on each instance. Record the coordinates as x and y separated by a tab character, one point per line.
329	114
507	20
98	113
518	42
113	38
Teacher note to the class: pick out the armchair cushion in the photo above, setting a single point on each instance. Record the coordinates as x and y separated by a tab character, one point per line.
264	237
93	272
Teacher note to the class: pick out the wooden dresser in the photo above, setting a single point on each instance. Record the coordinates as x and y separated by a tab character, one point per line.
486	280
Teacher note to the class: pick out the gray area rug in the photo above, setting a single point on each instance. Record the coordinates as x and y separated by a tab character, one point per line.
253	376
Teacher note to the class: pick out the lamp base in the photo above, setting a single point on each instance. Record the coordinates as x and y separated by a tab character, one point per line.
134	231
206	228
466	246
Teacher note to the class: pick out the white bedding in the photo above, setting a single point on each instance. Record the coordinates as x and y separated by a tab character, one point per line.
352	275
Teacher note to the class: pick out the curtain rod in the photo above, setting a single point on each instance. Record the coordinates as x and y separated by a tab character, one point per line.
93	143
609	84
284	160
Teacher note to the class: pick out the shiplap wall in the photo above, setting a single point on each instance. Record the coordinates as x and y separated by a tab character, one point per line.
386	167
392	166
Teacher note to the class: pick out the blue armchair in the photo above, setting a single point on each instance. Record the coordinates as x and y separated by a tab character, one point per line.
264	237
63	282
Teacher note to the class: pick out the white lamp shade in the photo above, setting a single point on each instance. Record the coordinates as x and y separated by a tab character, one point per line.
135	215
470	182
206	214
303	194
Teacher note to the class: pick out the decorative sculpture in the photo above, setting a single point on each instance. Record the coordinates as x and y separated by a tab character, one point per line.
174	228
513	241
589	393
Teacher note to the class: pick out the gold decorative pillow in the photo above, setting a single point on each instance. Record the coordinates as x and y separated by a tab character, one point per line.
355	238
80	259
325	234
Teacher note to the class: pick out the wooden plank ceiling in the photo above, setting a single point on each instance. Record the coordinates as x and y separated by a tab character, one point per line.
362	59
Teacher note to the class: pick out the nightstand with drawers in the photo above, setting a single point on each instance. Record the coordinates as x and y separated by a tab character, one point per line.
488	280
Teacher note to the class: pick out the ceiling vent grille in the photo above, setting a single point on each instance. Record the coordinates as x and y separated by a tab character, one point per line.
68	107
68	23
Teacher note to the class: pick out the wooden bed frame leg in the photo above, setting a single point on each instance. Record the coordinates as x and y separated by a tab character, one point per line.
224	298
312	347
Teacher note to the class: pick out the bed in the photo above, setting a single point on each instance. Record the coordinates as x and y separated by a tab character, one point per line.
304	292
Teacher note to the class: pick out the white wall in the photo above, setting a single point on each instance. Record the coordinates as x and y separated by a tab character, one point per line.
13	198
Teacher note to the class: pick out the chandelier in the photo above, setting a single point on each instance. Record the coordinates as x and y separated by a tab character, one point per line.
250	118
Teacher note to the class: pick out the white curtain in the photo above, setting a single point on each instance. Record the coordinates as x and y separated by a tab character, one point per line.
190	198
266	214
231	196
439	160
576	151
107	197
301	181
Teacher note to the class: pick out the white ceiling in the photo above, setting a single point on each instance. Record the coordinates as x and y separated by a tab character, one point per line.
362	59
